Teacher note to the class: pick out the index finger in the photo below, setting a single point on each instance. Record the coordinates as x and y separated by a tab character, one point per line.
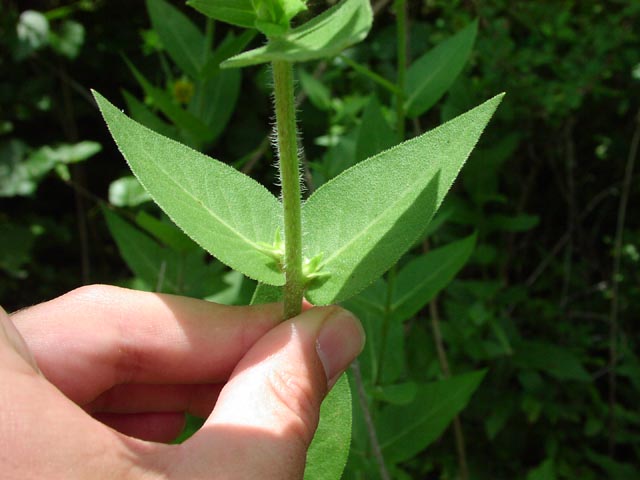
99	336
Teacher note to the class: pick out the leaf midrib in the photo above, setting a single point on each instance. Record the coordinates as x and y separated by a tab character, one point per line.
200	202
376	221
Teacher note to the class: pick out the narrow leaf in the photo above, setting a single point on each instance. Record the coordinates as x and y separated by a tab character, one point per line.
166	232
363	220
316	90
406	430
139	112
155	265
324	36
430	76
375	134
422	278
235	12
328	452
223	210
215	100
189	124
184	43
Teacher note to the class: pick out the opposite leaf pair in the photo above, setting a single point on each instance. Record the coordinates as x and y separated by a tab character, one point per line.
356	226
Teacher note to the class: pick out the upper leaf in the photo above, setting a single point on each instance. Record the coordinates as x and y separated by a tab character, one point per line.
235	12
223	210
430	76
273	16
364	219
324	36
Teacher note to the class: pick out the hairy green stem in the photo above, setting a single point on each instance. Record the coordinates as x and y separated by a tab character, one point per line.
287	139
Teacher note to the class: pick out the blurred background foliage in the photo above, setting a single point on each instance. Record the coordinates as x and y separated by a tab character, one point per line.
549	297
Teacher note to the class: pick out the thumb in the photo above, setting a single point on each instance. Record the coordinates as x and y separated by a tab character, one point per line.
267	413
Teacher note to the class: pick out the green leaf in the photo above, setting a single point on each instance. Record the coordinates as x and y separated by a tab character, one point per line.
517	223
545	471
558	362
396	394
266	294
405	430
231	45
363	220
166	232
430	76
65	153
375	134
184	43
422	278
235	12
324	36
155	265
163	269
190	125
237	290
127	192
16	243
328	452
139	112
68	40
215	100
32	32
21	170
317	92
223	210
273	16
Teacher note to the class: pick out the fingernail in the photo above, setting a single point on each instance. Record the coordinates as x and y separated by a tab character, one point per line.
340	341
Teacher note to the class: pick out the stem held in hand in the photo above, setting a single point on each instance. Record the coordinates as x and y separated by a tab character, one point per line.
287	139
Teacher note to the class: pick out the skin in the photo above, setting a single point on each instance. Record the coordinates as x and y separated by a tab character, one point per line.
94	383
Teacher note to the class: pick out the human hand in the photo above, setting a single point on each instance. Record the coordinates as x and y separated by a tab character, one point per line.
137	361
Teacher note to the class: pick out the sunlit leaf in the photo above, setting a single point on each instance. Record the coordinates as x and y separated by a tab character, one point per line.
223	210
363	220
235	12
324	36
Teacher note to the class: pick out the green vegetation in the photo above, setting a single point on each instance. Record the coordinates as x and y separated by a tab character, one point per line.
499	318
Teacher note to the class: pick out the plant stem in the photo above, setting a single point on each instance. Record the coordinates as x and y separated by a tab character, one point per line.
287	139
446	371
371	429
